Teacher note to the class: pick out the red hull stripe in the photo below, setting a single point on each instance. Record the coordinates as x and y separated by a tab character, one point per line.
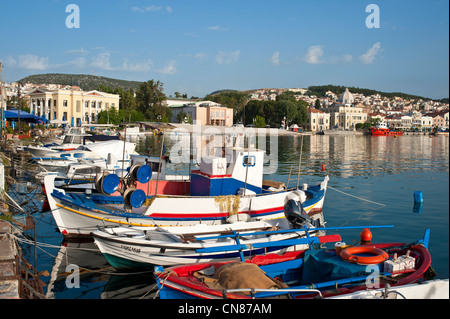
216	215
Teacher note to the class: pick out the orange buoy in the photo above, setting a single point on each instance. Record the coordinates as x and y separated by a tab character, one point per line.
366	236
323	167
377	255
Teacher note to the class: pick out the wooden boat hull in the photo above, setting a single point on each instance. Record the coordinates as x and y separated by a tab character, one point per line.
180	282
124	252
78	215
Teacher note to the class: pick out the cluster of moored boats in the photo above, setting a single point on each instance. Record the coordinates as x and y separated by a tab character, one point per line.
222	231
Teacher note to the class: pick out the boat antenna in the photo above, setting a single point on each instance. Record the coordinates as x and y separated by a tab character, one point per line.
248	163
159	166
289	178
124	144
299	162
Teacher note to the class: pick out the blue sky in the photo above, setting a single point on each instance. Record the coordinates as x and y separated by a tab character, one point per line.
199	46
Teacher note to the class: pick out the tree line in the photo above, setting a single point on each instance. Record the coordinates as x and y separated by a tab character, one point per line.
262	113
147	103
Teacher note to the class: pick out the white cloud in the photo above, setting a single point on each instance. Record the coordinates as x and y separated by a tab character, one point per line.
80	51
200	55
275	59
218	28
29	61
227	57
102	61
78	62
9	61
136	67
151	8
370	55
347	58
314	54
169	68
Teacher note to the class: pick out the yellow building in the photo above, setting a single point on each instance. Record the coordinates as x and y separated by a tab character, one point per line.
203	112
343	114
74	106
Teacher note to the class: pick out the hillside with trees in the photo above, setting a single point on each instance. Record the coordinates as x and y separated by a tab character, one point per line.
84	81
320	91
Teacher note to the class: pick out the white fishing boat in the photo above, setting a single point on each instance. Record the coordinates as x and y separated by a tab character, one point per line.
114	152
129	247
221	190
75	137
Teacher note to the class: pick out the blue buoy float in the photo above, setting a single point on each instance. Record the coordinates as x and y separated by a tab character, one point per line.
418	201
418	197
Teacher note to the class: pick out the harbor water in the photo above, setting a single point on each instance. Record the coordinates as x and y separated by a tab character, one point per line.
372	182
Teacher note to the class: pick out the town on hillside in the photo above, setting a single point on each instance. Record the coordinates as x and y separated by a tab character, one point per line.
349	111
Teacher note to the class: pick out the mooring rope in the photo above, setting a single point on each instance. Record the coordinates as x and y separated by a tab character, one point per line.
357	197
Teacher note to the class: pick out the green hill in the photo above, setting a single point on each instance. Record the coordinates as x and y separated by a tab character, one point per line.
86	82
320	90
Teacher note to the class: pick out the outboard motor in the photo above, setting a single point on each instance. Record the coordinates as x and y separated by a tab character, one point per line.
294	213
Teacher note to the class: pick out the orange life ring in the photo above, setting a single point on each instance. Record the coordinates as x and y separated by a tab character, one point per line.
351	254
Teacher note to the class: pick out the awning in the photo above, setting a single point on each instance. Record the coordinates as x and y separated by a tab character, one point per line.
14	115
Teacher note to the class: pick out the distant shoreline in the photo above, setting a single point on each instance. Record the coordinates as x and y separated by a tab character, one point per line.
258	131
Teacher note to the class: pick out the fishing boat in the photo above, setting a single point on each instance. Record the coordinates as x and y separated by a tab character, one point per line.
75	137
430	289
219	191
312	273
80	177
131	247
115	152
381	129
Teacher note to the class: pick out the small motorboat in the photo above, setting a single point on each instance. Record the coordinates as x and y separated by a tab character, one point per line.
382	129
131	247
313	273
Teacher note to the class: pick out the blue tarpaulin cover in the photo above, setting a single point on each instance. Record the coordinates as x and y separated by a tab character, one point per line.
13	115
320	266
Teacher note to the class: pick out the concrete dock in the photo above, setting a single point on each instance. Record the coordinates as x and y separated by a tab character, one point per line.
9	276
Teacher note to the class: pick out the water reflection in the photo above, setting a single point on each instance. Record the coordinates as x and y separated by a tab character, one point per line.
96	277
383	170
342	155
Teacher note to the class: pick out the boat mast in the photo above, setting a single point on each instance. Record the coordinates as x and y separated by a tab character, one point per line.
299	162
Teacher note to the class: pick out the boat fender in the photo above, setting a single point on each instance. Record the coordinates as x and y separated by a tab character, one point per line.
297	195
366	236
353	255
242	192
238	218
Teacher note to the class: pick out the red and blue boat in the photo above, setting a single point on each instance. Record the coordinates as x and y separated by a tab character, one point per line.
303	274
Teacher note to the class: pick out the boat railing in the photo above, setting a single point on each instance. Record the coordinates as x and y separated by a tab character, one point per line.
271	292
308	240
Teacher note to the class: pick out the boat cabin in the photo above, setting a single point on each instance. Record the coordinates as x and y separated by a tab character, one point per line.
240	169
